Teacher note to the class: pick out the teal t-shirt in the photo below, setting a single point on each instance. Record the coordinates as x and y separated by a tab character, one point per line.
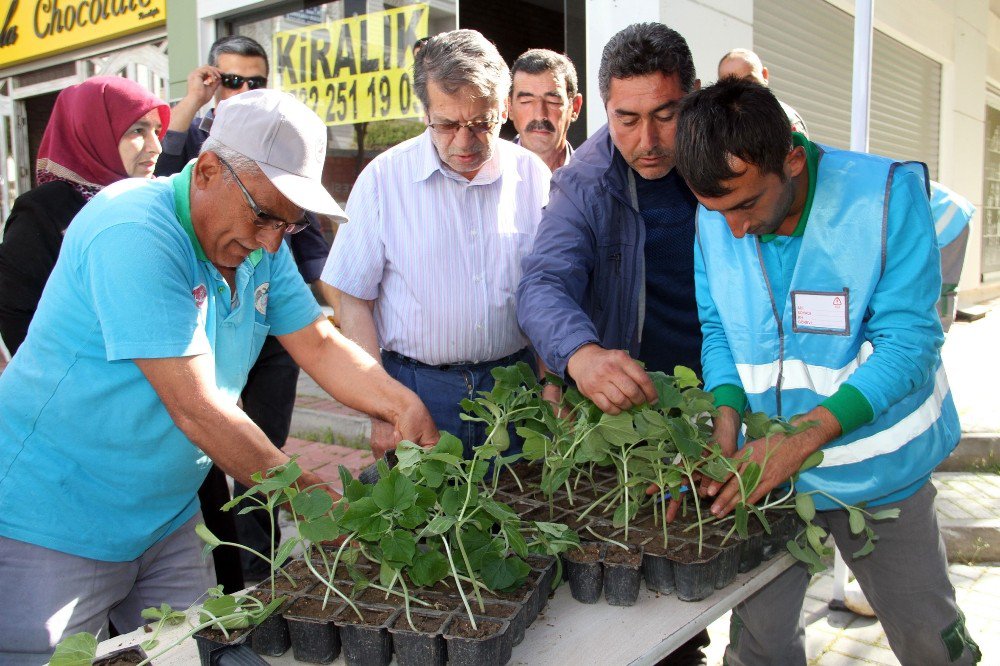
91	463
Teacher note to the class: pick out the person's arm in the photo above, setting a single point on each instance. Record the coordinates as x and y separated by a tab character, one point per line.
357	323
201	86
353	377
220	429
554	280
31	241
549	311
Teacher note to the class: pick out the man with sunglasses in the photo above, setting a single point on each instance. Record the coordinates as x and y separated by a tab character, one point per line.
235	64
429	263
126	387
238	64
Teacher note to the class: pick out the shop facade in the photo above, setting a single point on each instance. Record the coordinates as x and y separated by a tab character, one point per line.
47	45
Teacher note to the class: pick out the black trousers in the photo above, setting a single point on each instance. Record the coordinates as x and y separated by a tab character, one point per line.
269	400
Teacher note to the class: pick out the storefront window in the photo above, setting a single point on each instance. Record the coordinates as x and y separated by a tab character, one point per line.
351	61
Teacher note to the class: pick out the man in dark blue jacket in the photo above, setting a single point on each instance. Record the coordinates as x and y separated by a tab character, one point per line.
611	276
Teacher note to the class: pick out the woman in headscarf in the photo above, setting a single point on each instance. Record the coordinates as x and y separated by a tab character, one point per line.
101	131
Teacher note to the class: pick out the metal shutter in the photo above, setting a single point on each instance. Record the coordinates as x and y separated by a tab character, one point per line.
808	53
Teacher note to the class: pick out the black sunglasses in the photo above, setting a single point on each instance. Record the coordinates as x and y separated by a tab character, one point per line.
265	220
235	81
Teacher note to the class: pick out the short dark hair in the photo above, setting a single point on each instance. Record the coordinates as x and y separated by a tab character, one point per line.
645	48
459	59
539	61
732	118
236	45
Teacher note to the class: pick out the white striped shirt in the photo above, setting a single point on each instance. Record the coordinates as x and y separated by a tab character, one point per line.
439	254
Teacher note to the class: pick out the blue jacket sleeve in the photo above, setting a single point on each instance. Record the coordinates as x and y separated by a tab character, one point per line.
903	326
717	362
555	278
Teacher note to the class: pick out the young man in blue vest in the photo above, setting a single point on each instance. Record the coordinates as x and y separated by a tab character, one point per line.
816	275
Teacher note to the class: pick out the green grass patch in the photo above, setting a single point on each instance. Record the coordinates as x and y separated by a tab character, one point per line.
328	436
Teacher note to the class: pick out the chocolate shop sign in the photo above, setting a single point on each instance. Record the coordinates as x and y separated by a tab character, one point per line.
34	29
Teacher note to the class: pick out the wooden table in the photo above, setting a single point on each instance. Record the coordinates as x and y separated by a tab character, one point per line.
568	632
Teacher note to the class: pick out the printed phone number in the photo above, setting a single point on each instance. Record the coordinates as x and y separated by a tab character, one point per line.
359	99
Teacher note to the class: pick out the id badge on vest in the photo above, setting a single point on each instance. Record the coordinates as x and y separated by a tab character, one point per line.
824	312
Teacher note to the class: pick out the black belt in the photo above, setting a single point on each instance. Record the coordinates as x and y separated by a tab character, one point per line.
510	359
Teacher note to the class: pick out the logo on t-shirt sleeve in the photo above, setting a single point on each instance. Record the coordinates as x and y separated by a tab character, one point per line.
200	293
260	298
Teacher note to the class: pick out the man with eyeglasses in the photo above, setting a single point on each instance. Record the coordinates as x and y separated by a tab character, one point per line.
238	64
126	387
439	224
544	102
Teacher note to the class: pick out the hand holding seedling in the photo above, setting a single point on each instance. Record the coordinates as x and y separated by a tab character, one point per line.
611	378
779	456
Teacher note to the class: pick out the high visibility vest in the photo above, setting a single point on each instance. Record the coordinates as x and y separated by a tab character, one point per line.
788	368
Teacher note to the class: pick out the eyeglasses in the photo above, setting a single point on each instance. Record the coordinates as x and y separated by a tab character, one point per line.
476	127
266	220
235	81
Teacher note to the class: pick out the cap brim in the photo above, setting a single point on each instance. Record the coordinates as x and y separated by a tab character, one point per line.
305	193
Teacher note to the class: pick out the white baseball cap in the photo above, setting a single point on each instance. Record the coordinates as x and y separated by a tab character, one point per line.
285	138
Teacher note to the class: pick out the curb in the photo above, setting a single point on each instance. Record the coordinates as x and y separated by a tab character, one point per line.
975	450
349	428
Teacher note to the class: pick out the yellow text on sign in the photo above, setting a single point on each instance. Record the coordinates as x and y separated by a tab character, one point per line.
31	29
354	70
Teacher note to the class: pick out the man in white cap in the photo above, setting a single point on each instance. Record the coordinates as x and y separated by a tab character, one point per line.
125	389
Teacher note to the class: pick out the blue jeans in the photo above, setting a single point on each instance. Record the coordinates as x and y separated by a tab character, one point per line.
443	387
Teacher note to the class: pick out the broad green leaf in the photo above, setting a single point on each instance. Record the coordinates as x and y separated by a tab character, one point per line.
426	498
285	551
515	539
449	444
757	424
804	555
408	456
686	377
387	574
622	516
534	446
885	514
856	520
805	507
312	503
618	429
360	513
864	550
499	511
207	536
76	650
398	547
815	535
394	492
279	477
815	458
411	517
428	567
751	477
320	529
741	517
439	525
432	472
454	498
356	490
500	572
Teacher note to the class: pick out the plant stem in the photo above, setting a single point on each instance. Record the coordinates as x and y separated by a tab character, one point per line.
458	583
